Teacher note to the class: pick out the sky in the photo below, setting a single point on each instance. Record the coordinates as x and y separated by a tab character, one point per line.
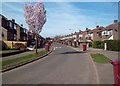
66	17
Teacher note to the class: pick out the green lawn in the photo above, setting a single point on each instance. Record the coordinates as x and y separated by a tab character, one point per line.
7	51
22	59
99	58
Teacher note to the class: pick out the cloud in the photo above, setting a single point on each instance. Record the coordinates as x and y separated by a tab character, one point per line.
60	21
61	17
12	7
65	16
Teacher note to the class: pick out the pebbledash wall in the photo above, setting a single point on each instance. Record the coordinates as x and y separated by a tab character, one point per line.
100	33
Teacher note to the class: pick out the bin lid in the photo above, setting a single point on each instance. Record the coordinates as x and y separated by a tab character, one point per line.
115	62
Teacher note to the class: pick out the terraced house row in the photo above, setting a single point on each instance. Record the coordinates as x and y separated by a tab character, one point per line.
11	31
100	33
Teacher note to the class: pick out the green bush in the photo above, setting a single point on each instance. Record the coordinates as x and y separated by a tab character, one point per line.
113	45
98	44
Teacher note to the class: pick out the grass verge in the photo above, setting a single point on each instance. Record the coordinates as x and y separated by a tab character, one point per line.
100	58
23	59
7	51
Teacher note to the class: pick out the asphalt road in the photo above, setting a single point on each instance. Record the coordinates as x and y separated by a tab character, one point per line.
64	65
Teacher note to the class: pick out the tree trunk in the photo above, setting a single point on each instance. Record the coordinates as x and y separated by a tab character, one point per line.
36	44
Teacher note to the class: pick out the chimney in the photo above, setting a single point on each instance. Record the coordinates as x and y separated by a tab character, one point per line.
21	25
115	21
97	26
13	20
86	28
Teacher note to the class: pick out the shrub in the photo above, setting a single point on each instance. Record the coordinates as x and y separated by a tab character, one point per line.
19	46
98	44
113	45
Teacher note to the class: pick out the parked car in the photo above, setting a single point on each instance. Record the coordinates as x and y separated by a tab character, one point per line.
31	47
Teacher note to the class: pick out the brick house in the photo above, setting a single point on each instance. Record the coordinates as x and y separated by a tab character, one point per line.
21	33
110	32
97	33
100	33
11	31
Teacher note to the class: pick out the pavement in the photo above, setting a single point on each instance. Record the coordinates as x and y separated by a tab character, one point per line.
19	55
64	65
113	55
105	71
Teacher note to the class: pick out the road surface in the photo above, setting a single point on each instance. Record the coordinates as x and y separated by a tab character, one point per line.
64	65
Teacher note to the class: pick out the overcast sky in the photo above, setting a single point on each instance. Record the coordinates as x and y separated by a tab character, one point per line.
66	17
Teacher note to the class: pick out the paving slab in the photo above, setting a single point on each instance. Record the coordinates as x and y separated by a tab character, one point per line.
104	71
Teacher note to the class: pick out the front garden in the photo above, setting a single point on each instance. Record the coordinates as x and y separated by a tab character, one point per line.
8	64
113	45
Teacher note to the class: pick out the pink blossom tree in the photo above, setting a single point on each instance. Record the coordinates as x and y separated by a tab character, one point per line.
35	17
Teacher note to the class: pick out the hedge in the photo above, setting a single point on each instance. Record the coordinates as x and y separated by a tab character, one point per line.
98	44
113	45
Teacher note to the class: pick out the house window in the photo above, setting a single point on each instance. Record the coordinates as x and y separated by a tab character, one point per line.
110	32
99	33
104	33
11	25
80	35
15	26
2	34
15	37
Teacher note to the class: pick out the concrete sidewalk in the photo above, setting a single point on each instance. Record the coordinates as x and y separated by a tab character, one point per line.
113	55
19	55
104	71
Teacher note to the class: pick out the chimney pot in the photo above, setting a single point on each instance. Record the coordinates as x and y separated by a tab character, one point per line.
115	21
13	20
97	26
21	25
86	28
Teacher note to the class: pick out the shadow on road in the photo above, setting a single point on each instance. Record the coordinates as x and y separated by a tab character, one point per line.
72	52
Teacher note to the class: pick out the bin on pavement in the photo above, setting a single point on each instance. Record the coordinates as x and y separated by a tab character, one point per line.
49	43
66	43
75	44
70	43
47	46
78	43
116	70
84	47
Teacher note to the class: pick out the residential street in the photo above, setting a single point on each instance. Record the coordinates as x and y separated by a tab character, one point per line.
63	66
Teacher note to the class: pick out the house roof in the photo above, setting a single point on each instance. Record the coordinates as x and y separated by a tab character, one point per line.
112	26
